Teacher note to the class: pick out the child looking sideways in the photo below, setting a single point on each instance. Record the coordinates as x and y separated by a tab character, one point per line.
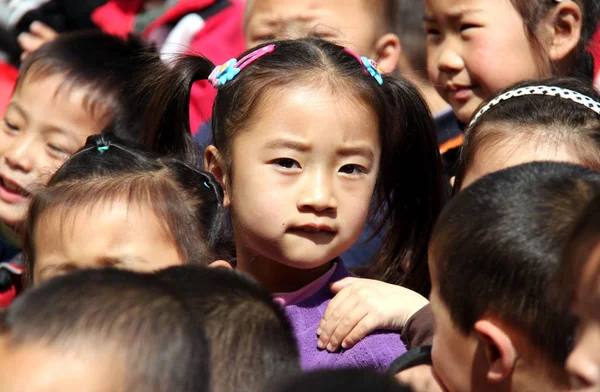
306	134
71	88
476	48
113	204
487	337
102	331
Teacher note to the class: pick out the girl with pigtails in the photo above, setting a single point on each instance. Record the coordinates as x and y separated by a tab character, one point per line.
311	141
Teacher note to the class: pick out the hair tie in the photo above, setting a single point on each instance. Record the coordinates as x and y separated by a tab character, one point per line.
226	72
551	91
103	149
369	65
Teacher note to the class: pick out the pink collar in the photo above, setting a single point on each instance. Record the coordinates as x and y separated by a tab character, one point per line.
285	299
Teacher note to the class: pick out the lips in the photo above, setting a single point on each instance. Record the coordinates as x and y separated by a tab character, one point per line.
314	228
12	192
460	92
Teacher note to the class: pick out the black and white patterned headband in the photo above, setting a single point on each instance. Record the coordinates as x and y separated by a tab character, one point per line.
551	91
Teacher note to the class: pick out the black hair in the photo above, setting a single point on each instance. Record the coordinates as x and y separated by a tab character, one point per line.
547	119
342	380
131	318
410	185
110	70
498	243
534	11
253	342
189	201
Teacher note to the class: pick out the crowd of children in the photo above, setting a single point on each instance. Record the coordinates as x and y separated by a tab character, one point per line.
396	195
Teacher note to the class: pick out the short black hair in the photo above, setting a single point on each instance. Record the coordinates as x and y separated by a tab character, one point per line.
252	341
187	200
413	40
498	243
132	316
343	380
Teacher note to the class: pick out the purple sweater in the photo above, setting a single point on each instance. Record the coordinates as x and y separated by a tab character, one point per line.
376	351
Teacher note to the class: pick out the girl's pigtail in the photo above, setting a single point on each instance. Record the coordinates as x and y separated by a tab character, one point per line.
167	122
411	188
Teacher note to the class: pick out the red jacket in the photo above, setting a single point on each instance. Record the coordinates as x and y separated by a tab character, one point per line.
220	39
8	78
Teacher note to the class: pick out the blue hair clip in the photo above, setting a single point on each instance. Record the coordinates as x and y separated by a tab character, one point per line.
372	68
206	184
226	72
103	149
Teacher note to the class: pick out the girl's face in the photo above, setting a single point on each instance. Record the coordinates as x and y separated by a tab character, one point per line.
304	172
114	234
476	48
41	128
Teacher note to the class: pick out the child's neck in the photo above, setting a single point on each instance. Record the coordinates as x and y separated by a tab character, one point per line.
275	276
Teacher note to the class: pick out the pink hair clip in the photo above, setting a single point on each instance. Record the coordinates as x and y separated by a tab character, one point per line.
226	72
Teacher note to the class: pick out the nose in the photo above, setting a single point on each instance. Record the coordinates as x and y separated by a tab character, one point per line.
317	193
583	367
449	58
19	155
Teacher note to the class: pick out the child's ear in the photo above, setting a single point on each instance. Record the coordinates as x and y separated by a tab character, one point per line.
220	264
387	52
214	164
565	30
499	350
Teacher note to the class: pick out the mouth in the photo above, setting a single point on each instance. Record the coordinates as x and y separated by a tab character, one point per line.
313	228
460	92
13	189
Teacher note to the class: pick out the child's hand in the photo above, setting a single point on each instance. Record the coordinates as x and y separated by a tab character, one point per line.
38	34
420	378
362	306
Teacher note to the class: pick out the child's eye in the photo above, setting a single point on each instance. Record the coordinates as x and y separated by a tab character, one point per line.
468	26
432	32
58	150
10	126
287	163
352	169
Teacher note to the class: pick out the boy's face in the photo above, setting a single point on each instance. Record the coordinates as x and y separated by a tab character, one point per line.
36	368
41	128
351	23
584	362
115	235
456	357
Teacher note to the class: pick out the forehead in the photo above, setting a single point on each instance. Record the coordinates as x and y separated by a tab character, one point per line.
37	368
288	11
458	7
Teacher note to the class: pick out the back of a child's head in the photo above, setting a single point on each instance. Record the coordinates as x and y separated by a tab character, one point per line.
108	170
251	340
556	117
343	380
500	240
125	331
409	183
105	67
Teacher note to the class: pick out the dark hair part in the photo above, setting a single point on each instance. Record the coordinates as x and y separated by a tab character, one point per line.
584	239
545	119
120	314
498	243
343	380
252	338
410	184
534	11
187	200
110	70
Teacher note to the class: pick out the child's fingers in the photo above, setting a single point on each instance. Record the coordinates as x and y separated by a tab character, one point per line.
349	323
43	31
335	302
338	286
362	329
330	321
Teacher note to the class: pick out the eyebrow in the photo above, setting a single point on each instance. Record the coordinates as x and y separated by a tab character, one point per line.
365	152
453	15
289	144
16	107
